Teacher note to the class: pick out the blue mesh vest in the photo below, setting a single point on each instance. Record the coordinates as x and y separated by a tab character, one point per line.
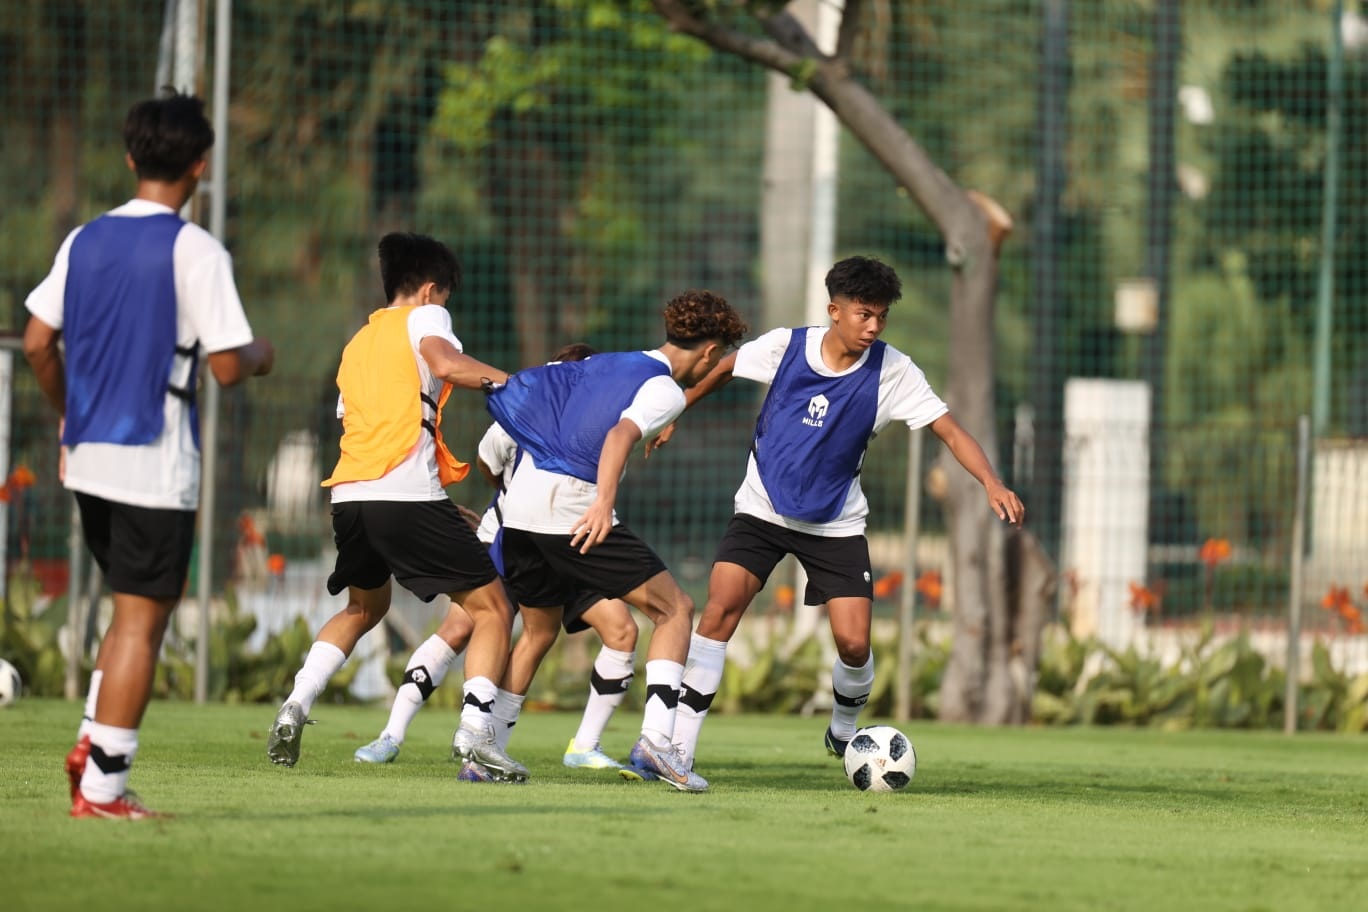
561	412
119	315
812	432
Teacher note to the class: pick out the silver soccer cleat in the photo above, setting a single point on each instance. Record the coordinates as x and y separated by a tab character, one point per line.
476	742
282	742
649	762
382	750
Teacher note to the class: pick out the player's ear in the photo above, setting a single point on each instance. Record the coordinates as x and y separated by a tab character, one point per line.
128	160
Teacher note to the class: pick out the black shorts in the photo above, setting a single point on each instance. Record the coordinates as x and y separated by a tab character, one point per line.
140	550
426	546
835	567
580	601
543	571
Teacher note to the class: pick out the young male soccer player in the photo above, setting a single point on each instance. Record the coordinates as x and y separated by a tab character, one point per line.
610	618
137	294
391	516
831	391
577	422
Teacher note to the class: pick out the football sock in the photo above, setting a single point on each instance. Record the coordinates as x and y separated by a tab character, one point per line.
111	754
850	687
479	700
702	678
425	671
507	707
322	663
662	698
607	687
92	695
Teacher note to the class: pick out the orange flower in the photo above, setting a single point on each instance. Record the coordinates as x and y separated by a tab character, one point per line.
22	477
930	588
1214	551
276	564
1337	599
251	535
4	494
783	597
1143	598
887	585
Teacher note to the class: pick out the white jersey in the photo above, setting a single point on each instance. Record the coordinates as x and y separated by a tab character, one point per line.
551	503
414	479
904	395
499	453
163	474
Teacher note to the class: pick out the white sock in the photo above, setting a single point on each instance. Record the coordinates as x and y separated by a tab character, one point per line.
662	699
478	703
111	754
607	688
426	670
92	695
702	678
507	708
850	687
322	663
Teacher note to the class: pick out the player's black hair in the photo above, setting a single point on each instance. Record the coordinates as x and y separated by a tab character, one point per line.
410	261
697	317
166	136
574	351
864	279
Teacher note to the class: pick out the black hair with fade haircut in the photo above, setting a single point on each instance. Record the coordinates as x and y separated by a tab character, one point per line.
410	261
166	136
864	279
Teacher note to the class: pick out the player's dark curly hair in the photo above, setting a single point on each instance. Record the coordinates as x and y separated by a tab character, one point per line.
574	351
696	317
410	261
864	279
165	136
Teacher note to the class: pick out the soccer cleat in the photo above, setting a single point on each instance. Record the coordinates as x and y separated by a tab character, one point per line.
593	759
475	741
76	763
382	750
126	807
282	743
664	763
632	774
834	745
474	772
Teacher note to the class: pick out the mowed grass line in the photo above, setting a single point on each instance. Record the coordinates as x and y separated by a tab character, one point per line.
995	819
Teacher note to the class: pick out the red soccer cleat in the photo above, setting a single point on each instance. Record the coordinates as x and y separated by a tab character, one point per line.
75	764
125	807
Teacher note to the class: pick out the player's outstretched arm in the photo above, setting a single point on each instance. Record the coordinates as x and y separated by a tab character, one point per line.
967	451
457	368
717	378
255	359
593	527
40	348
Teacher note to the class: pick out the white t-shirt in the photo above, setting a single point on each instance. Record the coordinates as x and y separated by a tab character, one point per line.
163	474
498	452
551	503
414	479
904	395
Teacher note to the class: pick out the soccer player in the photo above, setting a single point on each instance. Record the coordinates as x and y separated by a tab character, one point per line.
577	422
831	390
610	618
391	516
136	295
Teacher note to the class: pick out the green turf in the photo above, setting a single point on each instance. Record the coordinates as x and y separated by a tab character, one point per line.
995	819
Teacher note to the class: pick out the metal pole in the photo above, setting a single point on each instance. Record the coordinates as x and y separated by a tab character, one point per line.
1294	595
1325	283
218	179
907	602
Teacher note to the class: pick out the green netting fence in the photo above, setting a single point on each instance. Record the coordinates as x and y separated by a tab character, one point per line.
1187	187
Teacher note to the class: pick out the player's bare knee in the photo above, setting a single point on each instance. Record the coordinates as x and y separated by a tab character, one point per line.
853	652
619	633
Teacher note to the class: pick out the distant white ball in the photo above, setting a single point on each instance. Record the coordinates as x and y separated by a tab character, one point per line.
11	685
880	759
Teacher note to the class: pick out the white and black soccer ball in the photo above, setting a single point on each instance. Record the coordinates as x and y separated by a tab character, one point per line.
880	759
11	685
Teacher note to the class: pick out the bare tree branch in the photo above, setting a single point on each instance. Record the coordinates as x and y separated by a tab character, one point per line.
766	53
850	28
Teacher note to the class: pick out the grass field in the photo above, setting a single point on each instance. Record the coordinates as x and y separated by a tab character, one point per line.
995	819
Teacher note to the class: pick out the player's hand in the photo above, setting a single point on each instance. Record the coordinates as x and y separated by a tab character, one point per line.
265	354
593	527
1005	503
469	516
659	440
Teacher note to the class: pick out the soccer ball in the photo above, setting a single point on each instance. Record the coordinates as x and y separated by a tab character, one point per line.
880	759
11	685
